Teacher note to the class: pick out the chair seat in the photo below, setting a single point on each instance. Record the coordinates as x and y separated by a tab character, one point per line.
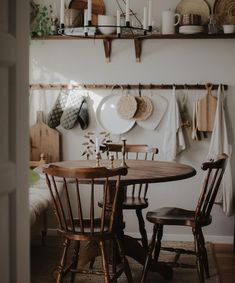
134	203
78	233
175	216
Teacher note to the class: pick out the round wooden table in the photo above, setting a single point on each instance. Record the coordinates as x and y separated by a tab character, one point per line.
141	172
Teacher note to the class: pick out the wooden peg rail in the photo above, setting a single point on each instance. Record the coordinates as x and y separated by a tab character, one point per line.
123	86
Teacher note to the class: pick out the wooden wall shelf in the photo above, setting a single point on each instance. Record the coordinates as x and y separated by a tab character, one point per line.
107	40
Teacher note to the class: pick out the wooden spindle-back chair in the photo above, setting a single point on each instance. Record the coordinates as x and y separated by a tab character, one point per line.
196	219
135	195
88	222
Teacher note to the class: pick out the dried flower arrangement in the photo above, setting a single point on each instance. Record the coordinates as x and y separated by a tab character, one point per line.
89	144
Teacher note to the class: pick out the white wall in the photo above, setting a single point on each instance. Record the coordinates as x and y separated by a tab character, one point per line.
163	61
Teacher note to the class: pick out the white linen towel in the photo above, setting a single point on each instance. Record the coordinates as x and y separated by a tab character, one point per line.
219	144
173	142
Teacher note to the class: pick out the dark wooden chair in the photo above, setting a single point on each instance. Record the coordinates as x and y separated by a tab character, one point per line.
99	225
135	195
196	219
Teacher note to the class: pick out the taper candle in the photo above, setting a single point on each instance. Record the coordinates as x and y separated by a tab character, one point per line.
150	13
127	11
118	22
61	13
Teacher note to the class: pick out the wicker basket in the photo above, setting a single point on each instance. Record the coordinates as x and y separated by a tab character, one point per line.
144	108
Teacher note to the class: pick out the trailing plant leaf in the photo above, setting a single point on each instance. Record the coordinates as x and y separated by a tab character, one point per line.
42	22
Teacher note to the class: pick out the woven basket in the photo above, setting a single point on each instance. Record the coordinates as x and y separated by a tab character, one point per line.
127	106
144	108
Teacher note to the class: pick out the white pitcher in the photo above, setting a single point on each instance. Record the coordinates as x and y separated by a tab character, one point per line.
169	21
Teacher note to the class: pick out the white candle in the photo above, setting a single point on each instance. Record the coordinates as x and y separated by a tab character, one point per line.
85	20
97	146
118	22
150	13
145	18
127	11
61	12
89	10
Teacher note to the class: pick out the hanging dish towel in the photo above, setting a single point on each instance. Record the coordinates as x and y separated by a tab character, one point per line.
83	116
173	142
219	144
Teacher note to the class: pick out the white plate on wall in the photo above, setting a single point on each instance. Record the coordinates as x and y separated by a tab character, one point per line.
159	108
108	118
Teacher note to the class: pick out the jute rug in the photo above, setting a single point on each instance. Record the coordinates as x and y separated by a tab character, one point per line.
45	258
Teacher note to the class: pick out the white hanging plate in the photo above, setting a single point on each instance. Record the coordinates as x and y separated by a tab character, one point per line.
108	118
159	108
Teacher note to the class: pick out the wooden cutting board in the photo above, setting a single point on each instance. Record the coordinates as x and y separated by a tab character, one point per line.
206	111
45	140
98	8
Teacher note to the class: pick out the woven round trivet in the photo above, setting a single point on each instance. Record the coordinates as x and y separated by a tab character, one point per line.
144	108
127	106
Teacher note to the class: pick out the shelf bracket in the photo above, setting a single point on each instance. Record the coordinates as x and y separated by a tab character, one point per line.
138	49
107	49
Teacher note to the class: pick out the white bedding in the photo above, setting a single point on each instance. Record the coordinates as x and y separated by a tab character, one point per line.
40	198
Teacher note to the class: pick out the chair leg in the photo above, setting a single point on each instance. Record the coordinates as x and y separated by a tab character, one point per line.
199	262
142	229
114	257
105	263
204	253
75	260
92	263
149	254
127	269
62	264
44	230
158	242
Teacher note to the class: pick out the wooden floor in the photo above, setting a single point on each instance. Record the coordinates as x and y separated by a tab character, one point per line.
226	262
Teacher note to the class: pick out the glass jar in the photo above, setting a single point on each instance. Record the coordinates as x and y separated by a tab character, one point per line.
212	25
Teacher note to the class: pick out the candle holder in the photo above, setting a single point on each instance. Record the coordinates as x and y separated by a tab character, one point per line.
131	24
111	161
98	157
62	26
124	153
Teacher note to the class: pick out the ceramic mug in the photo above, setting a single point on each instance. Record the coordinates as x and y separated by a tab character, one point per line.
169	21
229	28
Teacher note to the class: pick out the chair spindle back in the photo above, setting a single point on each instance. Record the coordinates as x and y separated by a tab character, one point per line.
137	152
215	170
87	221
